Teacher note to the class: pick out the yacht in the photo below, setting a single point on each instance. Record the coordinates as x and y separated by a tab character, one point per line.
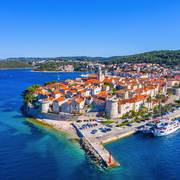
166	127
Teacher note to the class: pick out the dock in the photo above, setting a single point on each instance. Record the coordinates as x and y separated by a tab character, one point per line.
96	150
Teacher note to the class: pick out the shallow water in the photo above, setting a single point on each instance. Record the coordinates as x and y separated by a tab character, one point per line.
29	150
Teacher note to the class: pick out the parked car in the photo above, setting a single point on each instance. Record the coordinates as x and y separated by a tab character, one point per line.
104	130
125	121
94	131
78	121
129	125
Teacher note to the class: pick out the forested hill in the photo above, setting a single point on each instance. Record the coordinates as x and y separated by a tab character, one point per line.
80	58
12	64
160	57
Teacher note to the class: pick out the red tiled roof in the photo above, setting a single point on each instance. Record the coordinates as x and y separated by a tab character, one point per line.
79	101
60	99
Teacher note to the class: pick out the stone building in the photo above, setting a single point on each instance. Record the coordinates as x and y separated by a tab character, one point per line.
112	107
100	76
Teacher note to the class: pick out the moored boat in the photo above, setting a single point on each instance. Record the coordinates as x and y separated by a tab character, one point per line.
166	127
148	128
84	75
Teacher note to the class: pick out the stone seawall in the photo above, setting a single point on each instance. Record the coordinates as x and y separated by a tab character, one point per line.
32	112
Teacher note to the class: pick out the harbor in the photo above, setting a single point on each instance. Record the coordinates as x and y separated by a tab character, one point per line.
93	143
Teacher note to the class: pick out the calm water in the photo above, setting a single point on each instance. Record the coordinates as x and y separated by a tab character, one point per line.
31	151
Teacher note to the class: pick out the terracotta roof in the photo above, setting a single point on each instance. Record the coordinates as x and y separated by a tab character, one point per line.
48	93
56	92
66	89
83	91
74	91
38	91
104	85
92	76
60	99
69	102
52	98
172	80
79	101
154	102
99	100
124	101
103	94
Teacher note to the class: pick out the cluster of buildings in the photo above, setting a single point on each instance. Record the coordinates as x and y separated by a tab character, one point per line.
66	68
131	93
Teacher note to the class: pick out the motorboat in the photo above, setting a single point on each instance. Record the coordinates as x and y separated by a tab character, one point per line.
149	127
84	75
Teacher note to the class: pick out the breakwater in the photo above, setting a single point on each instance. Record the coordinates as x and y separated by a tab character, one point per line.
96	150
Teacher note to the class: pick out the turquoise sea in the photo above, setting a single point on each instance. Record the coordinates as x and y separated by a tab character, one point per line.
29	150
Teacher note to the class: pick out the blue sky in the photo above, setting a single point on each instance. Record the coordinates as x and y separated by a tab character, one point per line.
54	28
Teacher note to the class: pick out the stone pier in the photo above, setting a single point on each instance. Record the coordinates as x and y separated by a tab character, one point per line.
96	150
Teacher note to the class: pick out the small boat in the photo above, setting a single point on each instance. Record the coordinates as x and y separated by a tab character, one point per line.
84	75
149	127
166	127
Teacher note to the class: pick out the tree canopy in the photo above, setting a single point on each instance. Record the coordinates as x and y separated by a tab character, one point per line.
160	57
12	64
27	94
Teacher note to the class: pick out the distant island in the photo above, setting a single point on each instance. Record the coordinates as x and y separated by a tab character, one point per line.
13	64
165	58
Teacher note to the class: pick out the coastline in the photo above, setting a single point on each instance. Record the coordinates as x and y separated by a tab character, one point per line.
59	71
14	68
54	125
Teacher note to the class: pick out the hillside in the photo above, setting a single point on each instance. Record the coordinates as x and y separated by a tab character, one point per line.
160	57
12	64
80	58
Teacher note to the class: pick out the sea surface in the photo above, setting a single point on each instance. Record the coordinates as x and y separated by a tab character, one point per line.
29	150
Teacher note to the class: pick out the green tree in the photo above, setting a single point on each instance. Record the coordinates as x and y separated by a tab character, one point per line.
108	118
169	92
28	94
177	101
149	100
133	113
159	97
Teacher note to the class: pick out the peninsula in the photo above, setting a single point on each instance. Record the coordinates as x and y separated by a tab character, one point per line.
102	108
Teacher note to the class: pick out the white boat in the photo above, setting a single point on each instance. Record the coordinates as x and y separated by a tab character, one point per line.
84	75
149	127
166	127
